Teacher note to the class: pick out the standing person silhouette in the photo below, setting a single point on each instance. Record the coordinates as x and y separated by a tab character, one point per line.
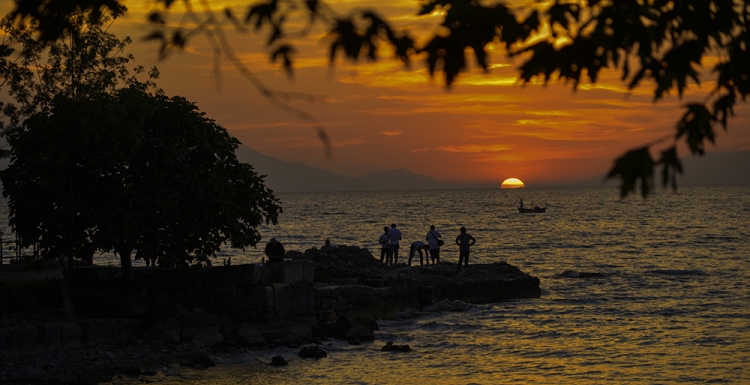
384	246
464	242
434	242
394	235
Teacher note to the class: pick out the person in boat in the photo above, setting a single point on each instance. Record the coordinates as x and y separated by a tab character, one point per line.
521	206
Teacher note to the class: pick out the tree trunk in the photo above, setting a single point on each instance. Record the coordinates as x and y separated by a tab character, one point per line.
70	314
126	263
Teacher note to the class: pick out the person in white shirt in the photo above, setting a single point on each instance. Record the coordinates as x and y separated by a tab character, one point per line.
394	235
433	238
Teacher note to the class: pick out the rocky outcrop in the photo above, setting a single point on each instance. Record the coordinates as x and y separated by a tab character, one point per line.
341	264
343	290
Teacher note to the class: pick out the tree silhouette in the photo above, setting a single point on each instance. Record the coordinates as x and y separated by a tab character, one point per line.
102	161
665	42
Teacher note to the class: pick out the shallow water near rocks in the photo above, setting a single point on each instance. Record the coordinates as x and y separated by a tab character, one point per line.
672	306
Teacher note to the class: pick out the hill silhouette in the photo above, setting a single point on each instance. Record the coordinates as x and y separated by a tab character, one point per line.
283	176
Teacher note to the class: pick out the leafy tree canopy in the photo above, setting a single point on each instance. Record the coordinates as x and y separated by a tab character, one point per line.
662	42
107	162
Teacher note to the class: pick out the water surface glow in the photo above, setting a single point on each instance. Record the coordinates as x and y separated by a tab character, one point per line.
673	305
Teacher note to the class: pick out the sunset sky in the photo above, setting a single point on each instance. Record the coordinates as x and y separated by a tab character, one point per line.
380	116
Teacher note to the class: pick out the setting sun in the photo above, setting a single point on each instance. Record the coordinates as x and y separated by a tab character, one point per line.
512	183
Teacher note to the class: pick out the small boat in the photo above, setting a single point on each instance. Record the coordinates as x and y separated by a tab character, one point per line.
536	209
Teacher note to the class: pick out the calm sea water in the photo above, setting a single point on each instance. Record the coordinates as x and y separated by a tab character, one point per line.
673	305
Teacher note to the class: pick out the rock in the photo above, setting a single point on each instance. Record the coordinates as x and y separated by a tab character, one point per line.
312	352
161	335
163	310
390	347
250	335
200	360
167	331
286	332
208	337
340	262
133	305
200	319
278	361
351	328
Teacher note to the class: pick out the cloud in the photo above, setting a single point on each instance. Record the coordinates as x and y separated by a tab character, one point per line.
476	148
392	133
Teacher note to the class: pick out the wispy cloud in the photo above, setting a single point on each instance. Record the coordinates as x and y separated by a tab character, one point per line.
476	148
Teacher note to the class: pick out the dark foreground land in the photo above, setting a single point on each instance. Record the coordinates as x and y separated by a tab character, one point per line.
193	318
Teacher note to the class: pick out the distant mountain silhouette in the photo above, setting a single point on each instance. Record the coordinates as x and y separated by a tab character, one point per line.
283	176
714	168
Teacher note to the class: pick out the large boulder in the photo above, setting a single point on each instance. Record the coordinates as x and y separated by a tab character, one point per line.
167	331
285	332
208	337
340	262
250	335
353	328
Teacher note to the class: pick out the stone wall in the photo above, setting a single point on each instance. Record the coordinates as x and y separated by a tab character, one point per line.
235	302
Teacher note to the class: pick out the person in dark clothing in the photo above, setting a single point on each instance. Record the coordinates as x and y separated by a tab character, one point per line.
434	241
464	242
275	251
385	245
417	247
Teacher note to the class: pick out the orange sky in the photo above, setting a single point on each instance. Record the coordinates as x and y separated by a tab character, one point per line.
380	116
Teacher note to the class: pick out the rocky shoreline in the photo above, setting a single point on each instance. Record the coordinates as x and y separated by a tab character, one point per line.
146	329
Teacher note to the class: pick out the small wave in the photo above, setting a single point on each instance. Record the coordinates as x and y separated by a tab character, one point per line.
580	274
448	305
679	272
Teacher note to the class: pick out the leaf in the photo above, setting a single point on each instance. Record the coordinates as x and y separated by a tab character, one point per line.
724	107
275	33
156	17
156	35
229	14
696	126
634	165
345	37
261	13
284	51
178	39
672	166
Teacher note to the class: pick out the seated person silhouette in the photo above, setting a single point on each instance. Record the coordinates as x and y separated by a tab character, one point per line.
275	251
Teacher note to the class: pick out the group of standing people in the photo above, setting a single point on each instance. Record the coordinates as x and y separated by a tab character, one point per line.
390	242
